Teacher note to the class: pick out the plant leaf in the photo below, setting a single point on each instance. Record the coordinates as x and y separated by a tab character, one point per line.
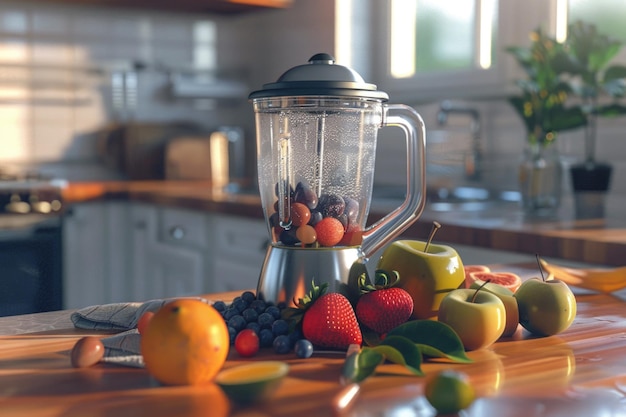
410	355
438	336
362	364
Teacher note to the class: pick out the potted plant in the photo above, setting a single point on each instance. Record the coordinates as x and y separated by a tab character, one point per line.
586	56
543	108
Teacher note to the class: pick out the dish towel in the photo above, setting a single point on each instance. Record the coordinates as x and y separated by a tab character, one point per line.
122	348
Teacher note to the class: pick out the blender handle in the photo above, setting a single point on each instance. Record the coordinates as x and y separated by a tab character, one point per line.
393	224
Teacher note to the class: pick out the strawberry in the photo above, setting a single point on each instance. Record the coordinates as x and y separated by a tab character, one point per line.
328	319
381	306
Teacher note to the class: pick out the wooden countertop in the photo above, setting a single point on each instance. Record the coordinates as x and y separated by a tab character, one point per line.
500	226
579	373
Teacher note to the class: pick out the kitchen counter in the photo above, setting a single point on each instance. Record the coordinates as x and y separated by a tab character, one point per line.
500	226
578	373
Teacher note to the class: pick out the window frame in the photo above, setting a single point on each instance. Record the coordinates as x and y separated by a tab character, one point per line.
516	20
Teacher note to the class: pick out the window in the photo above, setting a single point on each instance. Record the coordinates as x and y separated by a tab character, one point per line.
425	50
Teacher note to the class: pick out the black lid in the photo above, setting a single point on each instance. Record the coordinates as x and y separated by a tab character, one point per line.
320	77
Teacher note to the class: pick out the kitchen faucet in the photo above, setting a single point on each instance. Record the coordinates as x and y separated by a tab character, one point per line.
472	160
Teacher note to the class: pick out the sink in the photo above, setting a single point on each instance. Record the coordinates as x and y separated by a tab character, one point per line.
461	198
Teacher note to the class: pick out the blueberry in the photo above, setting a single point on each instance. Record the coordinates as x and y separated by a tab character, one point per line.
282	344
274	311
237	322
240	304
296	335
254	326
265	320
258	305
266	338
232	334
250	314
303	348
280	327
230	313
248	296
288	236
219	306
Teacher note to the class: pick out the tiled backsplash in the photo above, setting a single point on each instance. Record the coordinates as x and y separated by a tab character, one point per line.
63	69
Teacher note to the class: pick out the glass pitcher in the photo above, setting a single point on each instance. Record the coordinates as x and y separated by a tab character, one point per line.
316	133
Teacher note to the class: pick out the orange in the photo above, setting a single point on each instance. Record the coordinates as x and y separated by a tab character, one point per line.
185	343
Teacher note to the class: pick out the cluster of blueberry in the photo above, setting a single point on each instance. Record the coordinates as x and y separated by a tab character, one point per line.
248	312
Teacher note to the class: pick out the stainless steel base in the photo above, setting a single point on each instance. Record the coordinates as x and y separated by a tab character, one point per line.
288	273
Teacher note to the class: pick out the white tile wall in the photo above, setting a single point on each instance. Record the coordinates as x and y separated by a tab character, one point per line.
56	67
255	47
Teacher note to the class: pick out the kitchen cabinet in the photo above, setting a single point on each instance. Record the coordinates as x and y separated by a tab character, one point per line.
171	252
122	251
196	6
240	247
95	246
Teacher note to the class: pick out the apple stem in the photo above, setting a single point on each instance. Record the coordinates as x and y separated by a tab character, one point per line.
478	289
543	278
436	226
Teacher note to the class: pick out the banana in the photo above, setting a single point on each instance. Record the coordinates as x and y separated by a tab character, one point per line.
604	280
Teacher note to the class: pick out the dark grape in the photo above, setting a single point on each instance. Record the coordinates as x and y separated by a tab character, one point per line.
305	195
232	334
331	205
316	217
288	236
352	209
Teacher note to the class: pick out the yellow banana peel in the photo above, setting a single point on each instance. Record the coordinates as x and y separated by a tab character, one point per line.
605	280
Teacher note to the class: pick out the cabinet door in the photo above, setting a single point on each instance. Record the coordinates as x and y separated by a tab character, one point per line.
94	251
170	254
240	247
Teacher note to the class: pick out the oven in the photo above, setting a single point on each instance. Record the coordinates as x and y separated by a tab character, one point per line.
30	246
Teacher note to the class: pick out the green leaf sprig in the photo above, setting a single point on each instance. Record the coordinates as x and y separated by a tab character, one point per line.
407	345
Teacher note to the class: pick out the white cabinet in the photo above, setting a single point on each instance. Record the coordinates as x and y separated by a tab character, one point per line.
170	254
121	251
240	245
95	245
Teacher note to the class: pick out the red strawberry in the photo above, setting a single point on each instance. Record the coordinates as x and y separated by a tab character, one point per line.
382	306
329	320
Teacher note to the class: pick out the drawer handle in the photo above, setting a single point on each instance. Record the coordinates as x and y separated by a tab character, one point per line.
177	232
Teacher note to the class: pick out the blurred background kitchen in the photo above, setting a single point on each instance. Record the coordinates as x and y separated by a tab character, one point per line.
123	90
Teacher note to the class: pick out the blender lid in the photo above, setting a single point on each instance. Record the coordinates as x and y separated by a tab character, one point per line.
320	77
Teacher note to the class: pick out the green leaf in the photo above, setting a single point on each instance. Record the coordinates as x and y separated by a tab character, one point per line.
404	352
439	337
362	364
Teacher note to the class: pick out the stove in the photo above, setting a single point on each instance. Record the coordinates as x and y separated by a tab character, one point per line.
29	195
31	208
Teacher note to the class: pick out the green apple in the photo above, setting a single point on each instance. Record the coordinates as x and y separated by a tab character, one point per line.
545	307
478	317
427	276
510	304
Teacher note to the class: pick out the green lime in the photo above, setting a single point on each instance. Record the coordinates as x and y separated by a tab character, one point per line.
449	392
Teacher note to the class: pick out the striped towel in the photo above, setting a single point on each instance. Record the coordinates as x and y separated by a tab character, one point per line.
123	348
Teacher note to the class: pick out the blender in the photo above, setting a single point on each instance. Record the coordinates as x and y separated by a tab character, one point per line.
316	134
